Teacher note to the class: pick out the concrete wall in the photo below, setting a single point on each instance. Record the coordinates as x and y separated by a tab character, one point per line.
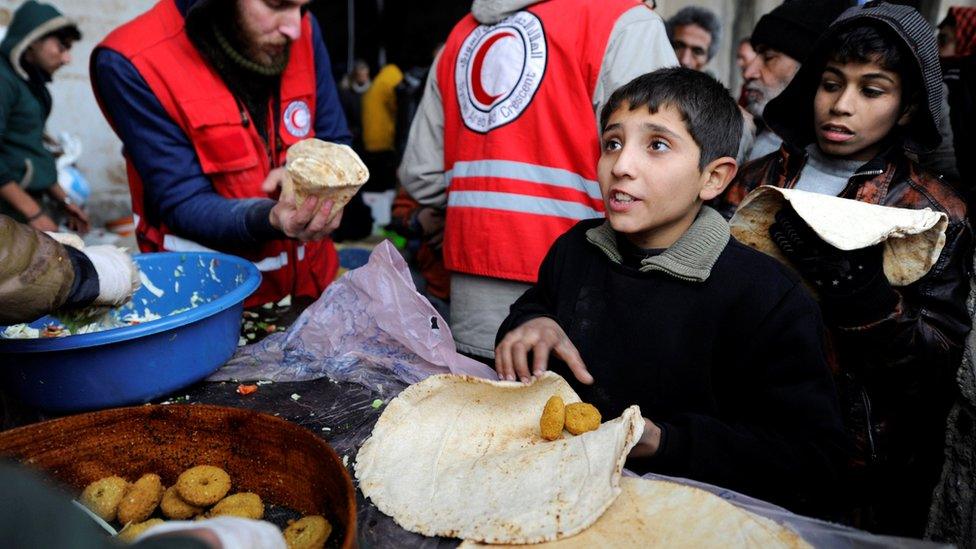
75	109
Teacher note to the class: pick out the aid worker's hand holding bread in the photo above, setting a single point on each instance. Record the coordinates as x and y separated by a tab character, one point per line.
318	180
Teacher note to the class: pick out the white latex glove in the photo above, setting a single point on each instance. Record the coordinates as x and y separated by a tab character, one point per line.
118	276
67	239
233	532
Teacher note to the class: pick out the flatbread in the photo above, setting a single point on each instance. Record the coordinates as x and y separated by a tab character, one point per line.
654	513
327	170
913	239
459	456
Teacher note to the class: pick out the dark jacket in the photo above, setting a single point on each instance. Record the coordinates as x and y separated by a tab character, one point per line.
719	345
25	103
895	370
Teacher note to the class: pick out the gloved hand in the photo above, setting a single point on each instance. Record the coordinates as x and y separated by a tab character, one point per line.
848	281
118	276
233	532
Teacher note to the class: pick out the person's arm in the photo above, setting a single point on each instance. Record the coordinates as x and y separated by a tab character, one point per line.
10	190
638	45
532	327
422	170
176	191
924	327
12	194
788	443
37	274
915	332
330	121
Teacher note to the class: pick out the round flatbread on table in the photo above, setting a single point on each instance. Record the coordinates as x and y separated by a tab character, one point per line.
463	457
655	513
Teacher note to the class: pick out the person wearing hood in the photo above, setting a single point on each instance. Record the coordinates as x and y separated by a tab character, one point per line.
506	139
207	96
37	44
782	40
863	99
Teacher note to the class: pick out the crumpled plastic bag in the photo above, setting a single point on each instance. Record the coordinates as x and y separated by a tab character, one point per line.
369	327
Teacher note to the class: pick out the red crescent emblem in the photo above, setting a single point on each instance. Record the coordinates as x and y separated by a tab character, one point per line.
294	118
477	87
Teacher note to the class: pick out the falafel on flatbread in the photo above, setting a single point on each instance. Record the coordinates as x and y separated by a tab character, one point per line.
327	170
458	456
912	239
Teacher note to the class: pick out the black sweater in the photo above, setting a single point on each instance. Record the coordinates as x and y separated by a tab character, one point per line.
731	367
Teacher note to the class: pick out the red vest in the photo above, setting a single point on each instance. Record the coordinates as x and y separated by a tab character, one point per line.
231	152
520	137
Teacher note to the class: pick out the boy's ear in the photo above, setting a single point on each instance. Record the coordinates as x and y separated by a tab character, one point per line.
907	114
716	176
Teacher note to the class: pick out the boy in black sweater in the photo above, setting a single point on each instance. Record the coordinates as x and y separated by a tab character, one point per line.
720	345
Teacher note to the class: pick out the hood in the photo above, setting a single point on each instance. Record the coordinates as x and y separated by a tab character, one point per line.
31	21
489	12
964	19
790	114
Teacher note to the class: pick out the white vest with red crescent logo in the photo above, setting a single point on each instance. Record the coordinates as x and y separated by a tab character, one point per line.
520	144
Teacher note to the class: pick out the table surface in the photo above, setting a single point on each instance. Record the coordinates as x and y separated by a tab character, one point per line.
340	413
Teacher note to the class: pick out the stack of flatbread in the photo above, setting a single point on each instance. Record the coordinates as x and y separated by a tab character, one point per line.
327	170
463	457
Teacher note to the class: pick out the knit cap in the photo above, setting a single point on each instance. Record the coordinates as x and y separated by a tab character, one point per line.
794	26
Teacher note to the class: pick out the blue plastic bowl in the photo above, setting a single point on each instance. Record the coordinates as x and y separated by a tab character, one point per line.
139	363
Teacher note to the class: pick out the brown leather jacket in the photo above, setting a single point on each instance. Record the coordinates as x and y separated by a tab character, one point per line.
36	274
895	374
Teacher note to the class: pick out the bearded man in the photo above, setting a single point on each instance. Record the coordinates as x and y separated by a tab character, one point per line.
206	96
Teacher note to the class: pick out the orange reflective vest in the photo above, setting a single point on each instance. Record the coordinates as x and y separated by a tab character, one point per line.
231	152
520	140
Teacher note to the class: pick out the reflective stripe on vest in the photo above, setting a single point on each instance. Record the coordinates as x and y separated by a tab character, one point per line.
521	203
524	171
173	243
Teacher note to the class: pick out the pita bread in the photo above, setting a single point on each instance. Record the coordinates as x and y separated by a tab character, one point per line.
459	456
328	170
913	239
654	513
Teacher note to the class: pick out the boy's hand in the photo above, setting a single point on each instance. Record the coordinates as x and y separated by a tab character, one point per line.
541	336
649	441
832	271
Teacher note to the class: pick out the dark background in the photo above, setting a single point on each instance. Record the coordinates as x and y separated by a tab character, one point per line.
408	30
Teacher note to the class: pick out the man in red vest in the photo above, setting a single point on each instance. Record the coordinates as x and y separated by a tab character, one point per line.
506	139
206	96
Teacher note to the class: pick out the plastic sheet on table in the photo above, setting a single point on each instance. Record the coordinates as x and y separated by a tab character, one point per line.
369	327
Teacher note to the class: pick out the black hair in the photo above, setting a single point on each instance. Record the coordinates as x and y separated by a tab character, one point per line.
695	15
706	106
67	35
875	43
